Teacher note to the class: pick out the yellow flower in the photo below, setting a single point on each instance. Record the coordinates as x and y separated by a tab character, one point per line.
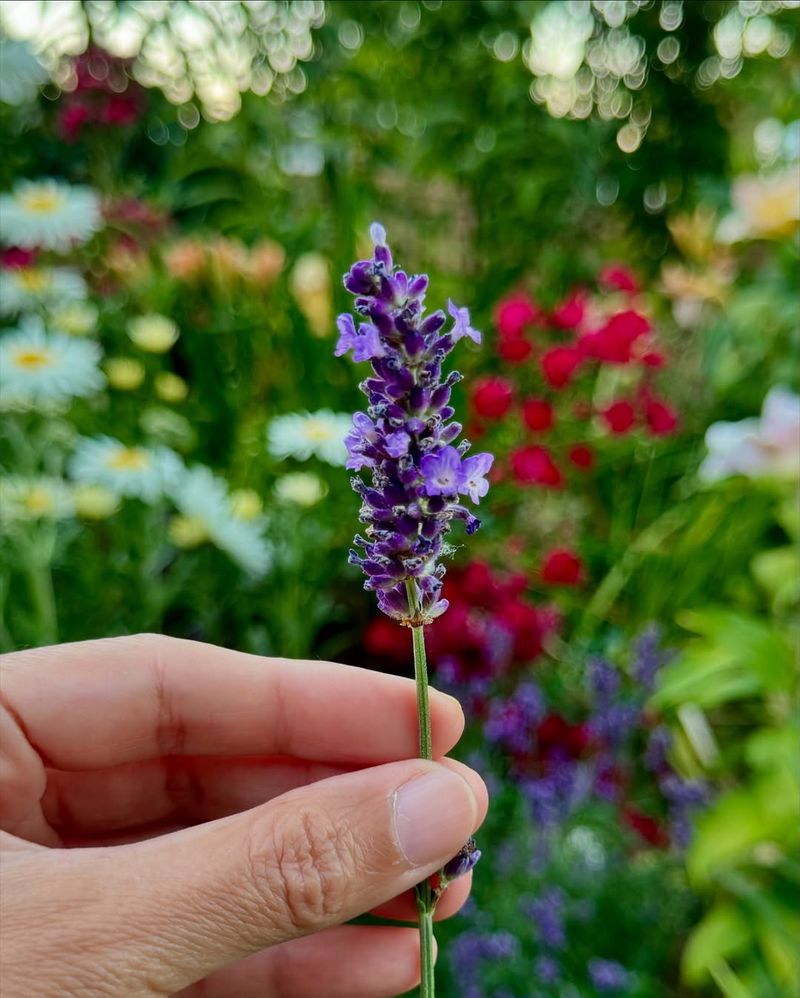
77	318
124	373
768	206
154	333
94	502
694	234
246	504
310	283
229	260
187	531
170	387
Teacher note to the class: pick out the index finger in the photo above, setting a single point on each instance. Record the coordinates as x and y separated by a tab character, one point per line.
101	703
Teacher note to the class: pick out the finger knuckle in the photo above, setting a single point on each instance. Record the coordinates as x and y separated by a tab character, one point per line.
305	871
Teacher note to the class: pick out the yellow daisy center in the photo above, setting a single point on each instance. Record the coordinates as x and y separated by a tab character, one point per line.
315	429
129	459
32	279
38	501
41	200
33	358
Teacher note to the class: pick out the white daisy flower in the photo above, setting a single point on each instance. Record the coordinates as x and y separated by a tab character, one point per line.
207	514
23	289
39	368
50	214
303	434
22	74
145	473
40	498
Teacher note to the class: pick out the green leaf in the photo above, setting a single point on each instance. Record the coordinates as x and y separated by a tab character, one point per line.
721	934
736	657
778	571
726	835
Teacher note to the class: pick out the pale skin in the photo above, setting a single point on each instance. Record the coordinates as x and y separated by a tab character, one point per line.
178	818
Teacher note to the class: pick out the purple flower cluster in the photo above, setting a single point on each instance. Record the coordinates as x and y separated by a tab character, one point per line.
510	722
472	950
406	438
608	975
547	913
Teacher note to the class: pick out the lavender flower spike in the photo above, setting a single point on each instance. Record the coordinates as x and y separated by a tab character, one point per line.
407	438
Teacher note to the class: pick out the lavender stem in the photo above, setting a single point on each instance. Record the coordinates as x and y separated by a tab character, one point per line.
420	673
424	892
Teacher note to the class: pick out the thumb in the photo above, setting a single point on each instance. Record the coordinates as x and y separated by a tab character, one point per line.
310	859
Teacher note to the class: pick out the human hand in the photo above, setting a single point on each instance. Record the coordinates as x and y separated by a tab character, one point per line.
226	814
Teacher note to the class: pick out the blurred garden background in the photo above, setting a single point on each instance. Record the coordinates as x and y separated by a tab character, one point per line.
612	188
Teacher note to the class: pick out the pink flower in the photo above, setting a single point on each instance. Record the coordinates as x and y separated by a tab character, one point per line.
514	313
534	465
617	277
661	419
71	121
571	312
14	257
492	397
614	342
514	349
537	415
559	364
619	417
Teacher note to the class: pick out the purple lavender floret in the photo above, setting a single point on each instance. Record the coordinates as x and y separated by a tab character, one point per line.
649	657
547	911
547	969
464	860
407	437
608	975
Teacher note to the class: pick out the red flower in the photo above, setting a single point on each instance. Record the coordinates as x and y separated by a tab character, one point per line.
614	342
522	621
537	414
649	828
514	313
14	257
581	456
559	364
479	585
386	639
619	417
617	277
533	465
660	418
514	349
71	121
555	734
653	358
120	109
492	397
570	313
562	567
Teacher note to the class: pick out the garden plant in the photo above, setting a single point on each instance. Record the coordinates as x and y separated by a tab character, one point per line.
195	378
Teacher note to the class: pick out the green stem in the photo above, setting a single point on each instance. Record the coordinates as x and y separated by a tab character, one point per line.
424	892
427	984
40	585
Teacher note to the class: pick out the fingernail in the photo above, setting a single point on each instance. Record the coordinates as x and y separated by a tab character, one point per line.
434	814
